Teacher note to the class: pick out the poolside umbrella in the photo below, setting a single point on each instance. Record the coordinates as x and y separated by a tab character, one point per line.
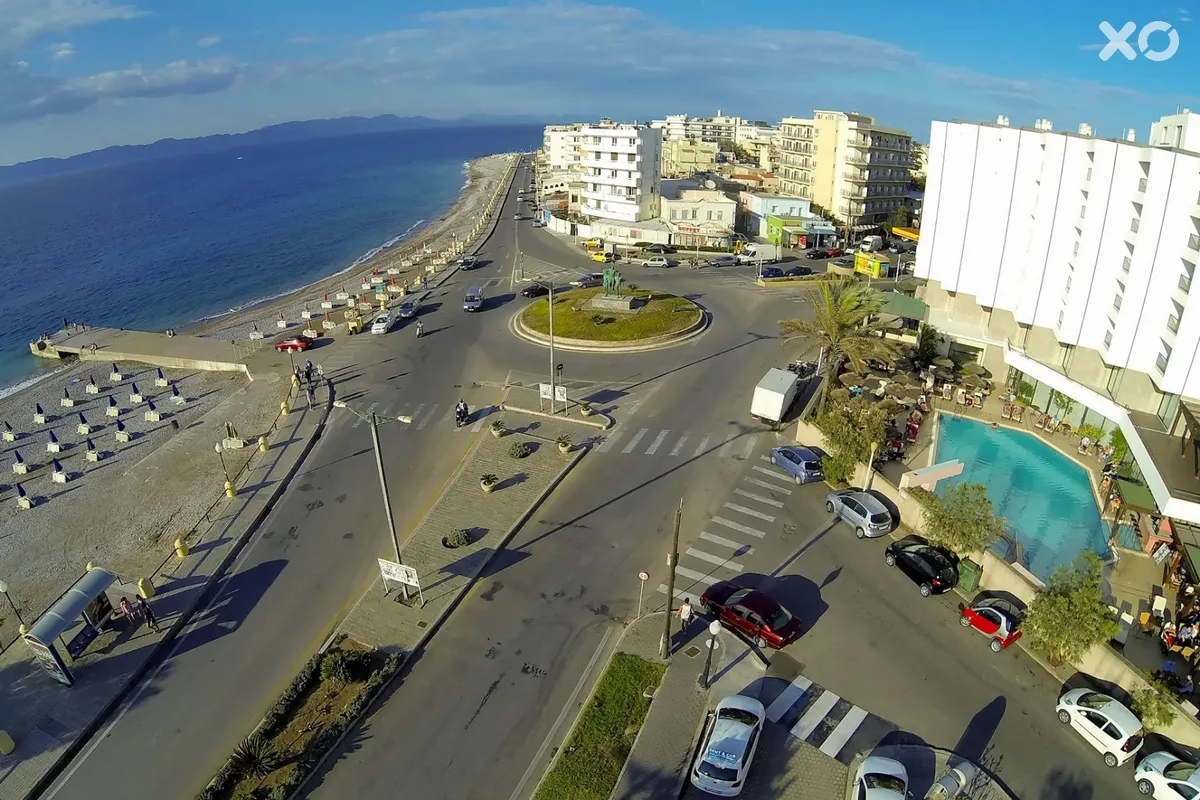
901	392
879	376
976	369
903	364
888	405
850	379
943	361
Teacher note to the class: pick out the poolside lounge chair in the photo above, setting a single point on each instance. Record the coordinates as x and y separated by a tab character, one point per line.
1017	413
1041	421
1006	412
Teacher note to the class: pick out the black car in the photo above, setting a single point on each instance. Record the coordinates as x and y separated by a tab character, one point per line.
796	272
933	569
535	290
661	249
816	255
771	272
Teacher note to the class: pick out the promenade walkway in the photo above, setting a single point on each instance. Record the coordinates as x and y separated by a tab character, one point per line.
156	349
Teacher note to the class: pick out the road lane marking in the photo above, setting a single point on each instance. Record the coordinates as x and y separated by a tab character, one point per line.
710	558
743	550
701	448
750	512
724	451
775	468
772	474
699	577
658	440
816	712
748	450
787	698
737	527
765	500
679	445
633	442
360	420
448	416
844	730
428	417
770	486
608	442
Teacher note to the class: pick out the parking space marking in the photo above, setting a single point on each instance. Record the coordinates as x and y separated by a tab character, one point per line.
766	485
658	440
739	528
743	550
634	441
750	512
710	558
679	445
816	712
791	693
759	498
845	729
699	577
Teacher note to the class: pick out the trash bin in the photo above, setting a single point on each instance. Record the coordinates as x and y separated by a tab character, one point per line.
968	575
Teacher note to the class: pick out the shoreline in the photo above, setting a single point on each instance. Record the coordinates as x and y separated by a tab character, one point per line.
483	175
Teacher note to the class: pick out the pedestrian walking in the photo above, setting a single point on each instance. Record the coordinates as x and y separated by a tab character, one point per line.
424	283
686	614
312	399
147	614
128	609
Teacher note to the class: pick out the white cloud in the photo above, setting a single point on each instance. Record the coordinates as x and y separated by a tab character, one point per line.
303	40
23	21
62	50
208	41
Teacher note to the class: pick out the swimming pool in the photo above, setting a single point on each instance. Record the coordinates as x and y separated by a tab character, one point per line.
1044	495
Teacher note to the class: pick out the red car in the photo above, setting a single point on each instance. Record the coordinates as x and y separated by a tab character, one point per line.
296	344
752	614
834	252
994	617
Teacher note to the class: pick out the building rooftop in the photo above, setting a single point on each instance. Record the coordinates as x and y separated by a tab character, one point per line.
1076	135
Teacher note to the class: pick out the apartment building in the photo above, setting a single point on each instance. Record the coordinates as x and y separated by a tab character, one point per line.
683	158
755	208
560	148
620	166
857	170
700	217
1065	262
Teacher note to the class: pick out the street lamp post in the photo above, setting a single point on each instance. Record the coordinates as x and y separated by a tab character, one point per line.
550	305
376	421
714	629
221	452
17	611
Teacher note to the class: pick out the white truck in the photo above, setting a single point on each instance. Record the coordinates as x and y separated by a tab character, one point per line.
870	244
774	395
755	253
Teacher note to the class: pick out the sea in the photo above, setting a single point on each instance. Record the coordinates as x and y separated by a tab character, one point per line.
164	243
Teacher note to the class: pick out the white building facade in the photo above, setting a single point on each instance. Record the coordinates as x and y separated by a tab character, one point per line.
620	166
700	217
1069	260
756	207
560	146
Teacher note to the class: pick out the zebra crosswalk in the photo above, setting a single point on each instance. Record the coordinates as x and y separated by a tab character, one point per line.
823	719
423	415
732	533
677	444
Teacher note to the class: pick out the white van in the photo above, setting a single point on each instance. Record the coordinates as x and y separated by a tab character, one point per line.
474	299
870	244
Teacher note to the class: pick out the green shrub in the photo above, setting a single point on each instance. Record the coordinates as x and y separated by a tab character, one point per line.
498	426
254	756
295	692
488	479
519	450
458	537
1152	703
563	439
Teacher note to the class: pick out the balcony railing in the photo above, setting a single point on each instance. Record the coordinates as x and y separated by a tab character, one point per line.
1161	363
1142	185
1185	283
1125	264
1173	324
856	177
853	194
858	160
1193	241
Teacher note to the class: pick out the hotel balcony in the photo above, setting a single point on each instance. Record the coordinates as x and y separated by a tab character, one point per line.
605	145
855	177
634	182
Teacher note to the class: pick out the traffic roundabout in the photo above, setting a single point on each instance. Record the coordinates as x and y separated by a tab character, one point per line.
589	320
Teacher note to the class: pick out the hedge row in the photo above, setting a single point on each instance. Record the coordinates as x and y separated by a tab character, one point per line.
821	276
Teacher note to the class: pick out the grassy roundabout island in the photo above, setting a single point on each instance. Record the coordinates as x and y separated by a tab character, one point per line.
660	315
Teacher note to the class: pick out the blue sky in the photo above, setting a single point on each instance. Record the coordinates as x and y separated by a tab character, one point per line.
77	75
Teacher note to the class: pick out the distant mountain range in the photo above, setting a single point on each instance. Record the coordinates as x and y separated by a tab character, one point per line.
272	134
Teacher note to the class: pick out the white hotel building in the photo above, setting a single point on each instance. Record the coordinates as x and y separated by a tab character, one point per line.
1066	261
620	165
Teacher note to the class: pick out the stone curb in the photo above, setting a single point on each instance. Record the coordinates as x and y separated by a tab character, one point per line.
604	423
186	614
434	626
519	329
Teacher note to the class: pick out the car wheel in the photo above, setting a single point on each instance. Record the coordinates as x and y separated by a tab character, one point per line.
1064	716
926	590
760	642
1145	787
996	645
1110	760
829	506
889	559
860	533
966	623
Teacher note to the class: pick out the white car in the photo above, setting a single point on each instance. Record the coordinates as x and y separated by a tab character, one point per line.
1164	777
729	744
657	261
468	262
1103	722
881	778
383	323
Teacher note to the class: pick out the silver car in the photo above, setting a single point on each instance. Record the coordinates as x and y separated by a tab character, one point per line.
409	308
869	517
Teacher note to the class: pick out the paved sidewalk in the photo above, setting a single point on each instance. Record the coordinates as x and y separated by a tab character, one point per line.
48	721
445	574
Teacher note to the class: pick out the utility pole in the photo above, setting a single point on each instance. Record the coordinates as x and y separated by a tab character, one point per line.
664	647
550	305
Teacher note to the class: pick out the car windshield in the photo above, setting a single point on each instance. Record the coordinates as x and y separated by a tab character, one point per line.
1179	771
738	715
778	618
1094	700
880	781
473	298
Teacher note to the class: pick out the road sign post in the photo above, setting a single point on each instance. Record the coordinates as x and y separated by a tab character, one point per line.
402	574
643	576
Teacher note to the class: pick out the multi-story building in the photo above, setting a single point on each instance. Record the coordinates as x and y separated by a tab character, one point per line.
700	217
560	148
920	159
683	158
857	170
1064	262
754	208
621	169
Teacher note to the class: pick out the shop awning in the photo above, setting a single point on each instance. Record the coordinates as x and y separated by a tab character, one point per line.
903	306
912	234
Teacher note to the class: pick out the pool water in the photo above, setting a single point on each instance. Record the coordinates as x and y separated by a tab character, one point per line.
1044	495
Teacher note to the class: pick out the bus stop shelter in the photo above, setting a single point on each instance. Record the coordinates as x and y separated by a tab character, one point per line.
81	612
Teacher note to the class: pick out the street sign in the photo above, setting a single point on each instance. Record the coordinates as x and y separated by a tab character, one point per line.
544	391
643	575
560	393
400	573
558	369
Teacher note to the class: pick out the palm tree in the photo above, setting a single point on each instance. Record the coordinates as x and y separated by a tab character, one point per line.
843	324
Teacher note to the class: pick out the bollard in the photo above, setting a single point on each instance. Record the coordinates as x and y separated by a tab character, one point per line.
90	566
181	548
263	446
6	744
283	408
22	629
229	490
146	588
